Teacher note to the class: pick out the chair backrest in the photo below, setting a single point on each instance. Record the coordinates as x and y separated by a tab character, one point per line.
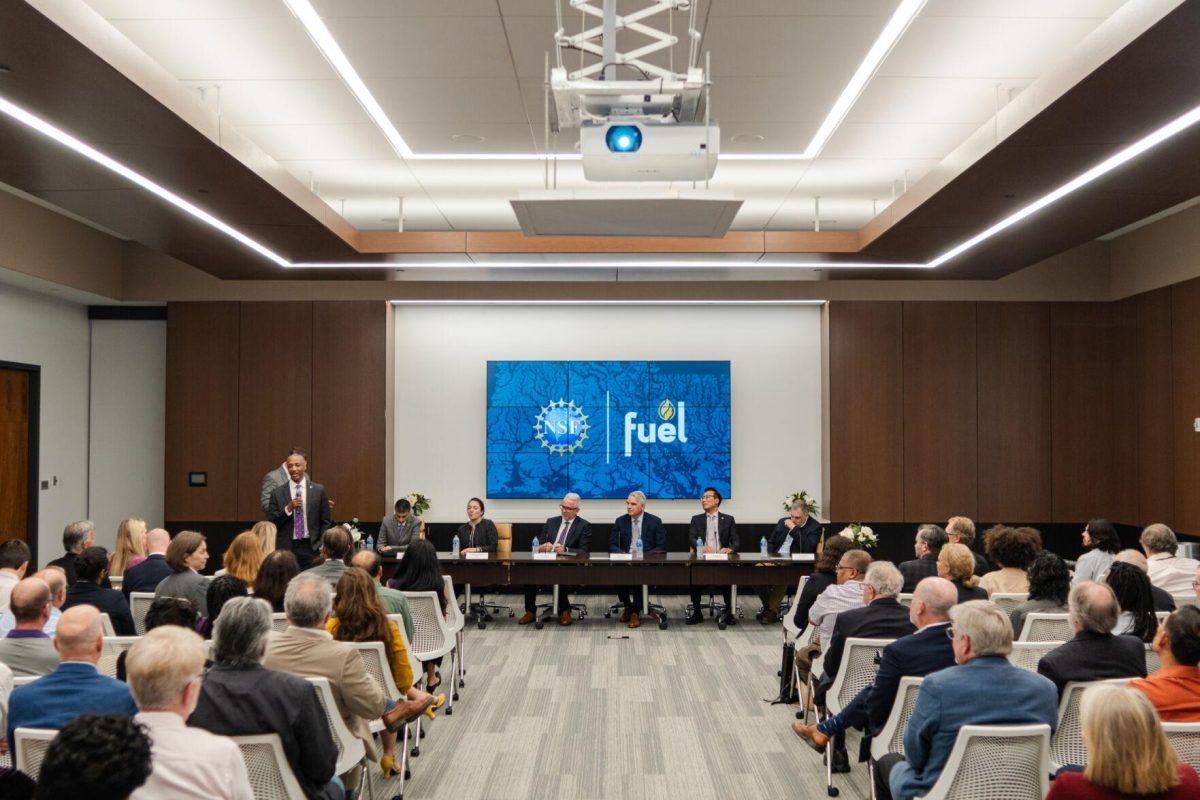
374	658
350	749
458	621
1182	600
1026	655
891	738
431	633
279	621
112	647
1162	616
116	581
1185	738
270	774
31	745
1040	627
106	625
414	663
139	604
860	662
991	761
1066	747
21	680
905	599
1008	602
504	543
789	619
1153	662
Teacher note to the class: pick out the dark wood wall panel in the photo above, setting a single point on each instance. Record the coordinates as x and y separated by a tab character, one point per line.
1156	451
202	410
1185	363
1014	411
275	394
348	401
941	460
1123	504
866	387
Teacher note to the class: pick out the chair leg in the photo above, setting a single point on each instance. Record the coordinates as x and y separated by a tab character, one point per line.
365	781
416	749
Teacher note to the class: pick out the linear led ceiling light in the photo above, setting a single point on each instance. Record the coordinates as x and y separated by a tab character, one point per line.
613	264
544	302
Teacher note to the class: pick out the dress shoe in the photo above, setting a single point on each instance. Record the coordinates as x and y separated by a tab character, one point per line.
565	617
527	618
809	733
695	618
634	620
841	761
768	617
728	619
625	615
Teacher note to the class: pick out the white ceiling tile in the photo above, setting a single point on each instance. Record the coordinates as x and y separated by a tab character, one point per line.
1028	9
497	138
822	50
450	100
769	99
802	8
935	100
317	142
896	141
419	47
365	177
837	214
282	102
188	9
343	9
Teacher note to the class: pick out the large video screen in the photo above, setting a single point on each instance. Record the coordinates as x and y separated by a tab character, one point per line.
606	428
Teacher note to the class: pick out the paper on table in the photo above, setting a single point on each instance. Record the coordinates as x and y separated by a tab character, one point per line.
544	556
476	556
620	557
804	556
716	556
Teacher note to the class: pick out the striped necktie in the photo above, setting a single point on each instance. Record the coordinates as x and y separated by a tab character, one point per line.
298	514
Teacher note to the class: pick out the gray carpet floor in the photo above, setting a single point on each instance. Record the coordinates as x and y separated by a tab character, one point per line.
573	713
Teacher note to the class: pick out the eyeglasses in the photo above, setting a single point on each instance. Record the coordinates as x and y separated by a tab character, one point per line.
841	567
950	632
568	508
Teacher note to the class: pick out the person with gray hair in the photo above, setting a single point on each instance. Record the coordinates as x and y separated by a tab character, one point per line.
927	545
164	669
1094	653
629	528
566	533
983	689
240	697
77	537
1168	571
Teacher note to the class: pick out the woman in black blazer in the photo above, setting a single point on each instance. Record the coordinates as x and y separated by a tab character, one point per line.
477	535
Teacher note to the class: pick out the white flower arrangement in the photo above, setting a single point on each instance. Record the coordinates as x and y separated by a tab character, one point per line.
352	527
419	502
860	534
806	500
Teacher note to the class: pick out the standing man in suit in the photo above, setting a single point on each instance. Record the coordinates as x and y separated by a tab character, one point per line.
146	576
399	530
566	533
300	510
719	534
635	524
926	546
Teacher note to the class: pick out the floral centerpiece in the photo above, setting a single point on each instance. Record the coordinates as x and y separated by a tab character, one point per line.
806	500
419	502
860	534
355	534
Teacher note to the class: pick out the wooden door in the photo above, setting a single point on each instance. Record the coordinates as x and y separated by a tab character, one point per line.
14	453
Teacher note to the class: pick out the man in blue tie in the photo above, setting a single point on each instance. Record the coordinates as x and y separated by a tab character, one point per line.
300	510
627	529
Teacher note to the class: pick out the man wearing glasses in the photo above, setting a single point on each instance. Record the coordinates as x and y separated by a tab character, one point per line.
566	533
846	594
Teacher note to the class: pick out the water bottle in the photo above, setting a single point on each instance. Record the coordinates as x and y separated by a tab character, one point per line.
535	544
454	546
787	546
370	542
638	549
699	547
762	546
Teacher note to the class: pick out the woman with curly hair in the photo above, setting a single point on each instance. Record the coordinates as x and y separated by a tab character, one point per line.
1132	588
1013	550
956	563
243	557
1049	585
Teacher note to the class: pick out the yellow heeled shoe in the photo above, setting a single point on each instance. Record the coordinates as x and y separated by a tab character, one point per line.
388	765
431	711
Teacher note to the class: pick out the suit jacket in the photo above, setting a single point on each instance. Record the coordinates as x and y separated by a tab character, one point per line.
926	651
952	698
146	576
331	570
1092	656
807	536
189	584
726	530
884	618
73	689
398	535
246	701
916	570
317	516
654	535
314	653
966	593
579	535
26	656
982	567
67	564
272	481
1163	600
109	601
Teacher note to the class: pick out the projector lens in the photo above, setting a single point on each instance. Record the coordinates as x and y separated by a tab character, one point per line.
623	138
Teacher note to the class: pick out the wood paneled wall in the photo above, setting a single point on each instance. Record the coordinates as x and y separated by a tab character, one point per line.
247	381
1185	365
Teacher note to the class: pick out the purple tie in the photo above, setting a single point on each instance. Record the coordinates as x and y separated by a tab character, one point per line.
562	533
298	514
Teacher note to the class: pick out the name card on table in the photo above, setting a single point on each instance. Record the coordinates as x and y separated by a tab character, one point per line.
716	556
620	556
476	556
544	556
804	556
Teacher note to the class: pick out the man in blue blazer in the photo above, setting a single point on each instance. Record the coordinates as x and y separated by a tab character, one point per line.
626	530
985	689
76	687
146	576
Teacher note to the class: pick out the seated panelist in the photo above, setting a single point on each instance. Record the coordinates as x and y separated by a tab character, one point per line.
719	534
478	534
399	530
802	534
566	532
626	530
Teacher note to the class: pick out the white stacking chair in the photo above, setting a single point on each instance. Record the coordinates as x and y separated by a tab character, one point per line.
21	680
271	777
1040	627
110	650
905	599
891	738
789	622
1153	662
116	581
106	625
279	621
1182	600
1066	746
139	604
1185	738
860	662
351	752
1026	655
1162	616
458	624
996	761
1008	602
432	634
31	745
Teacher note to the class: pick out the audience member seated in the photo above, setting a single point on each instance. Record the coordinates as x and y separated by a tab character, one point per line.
77	537
266	533
276	572
26	649
823	576
985	689
91	568
1094	653
880	617
241	698
56	579
844	595
421	572
956	564
186	556
926	545
165	671
1012	550
961	530
1101	541
164	611
921	653
96	756
307	649
1128	753
220	591
14	560
1132	589
1163	601
393	602
130	549
1049	585
146	576
1174	688
76	687
336	545
243	557
358	617
1170	572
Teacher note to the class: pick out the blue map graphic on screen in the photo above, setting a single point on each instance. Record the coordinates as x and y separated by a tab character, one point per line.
606	428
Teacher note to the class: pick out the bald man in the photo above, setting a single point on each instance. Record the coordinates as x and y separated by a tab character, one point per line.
56	579
76	687
26	649
146	576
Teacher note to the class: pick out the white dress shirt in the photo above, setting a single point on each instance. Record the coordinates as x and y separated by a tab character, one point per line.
191	762
834	600
1172	574
712	532
8	579
302	488
635	527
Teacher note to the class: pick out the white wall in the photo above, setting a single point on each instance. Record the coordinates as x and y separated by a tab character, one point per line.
128	423
440	403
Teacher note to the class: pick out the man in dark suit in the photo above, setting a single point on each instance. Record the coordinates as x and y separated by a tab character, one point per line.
1095	653
300	511
566	533
714	532
77	536
800	533
961	530
146	576
90	569
927	544
626	530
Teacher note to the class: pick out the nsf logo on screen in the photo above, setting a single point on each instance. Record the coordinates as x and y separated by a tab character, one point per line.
561	427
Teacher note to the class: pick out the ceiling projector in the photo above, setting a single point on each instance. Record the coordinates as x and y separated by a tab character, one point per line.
640	151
